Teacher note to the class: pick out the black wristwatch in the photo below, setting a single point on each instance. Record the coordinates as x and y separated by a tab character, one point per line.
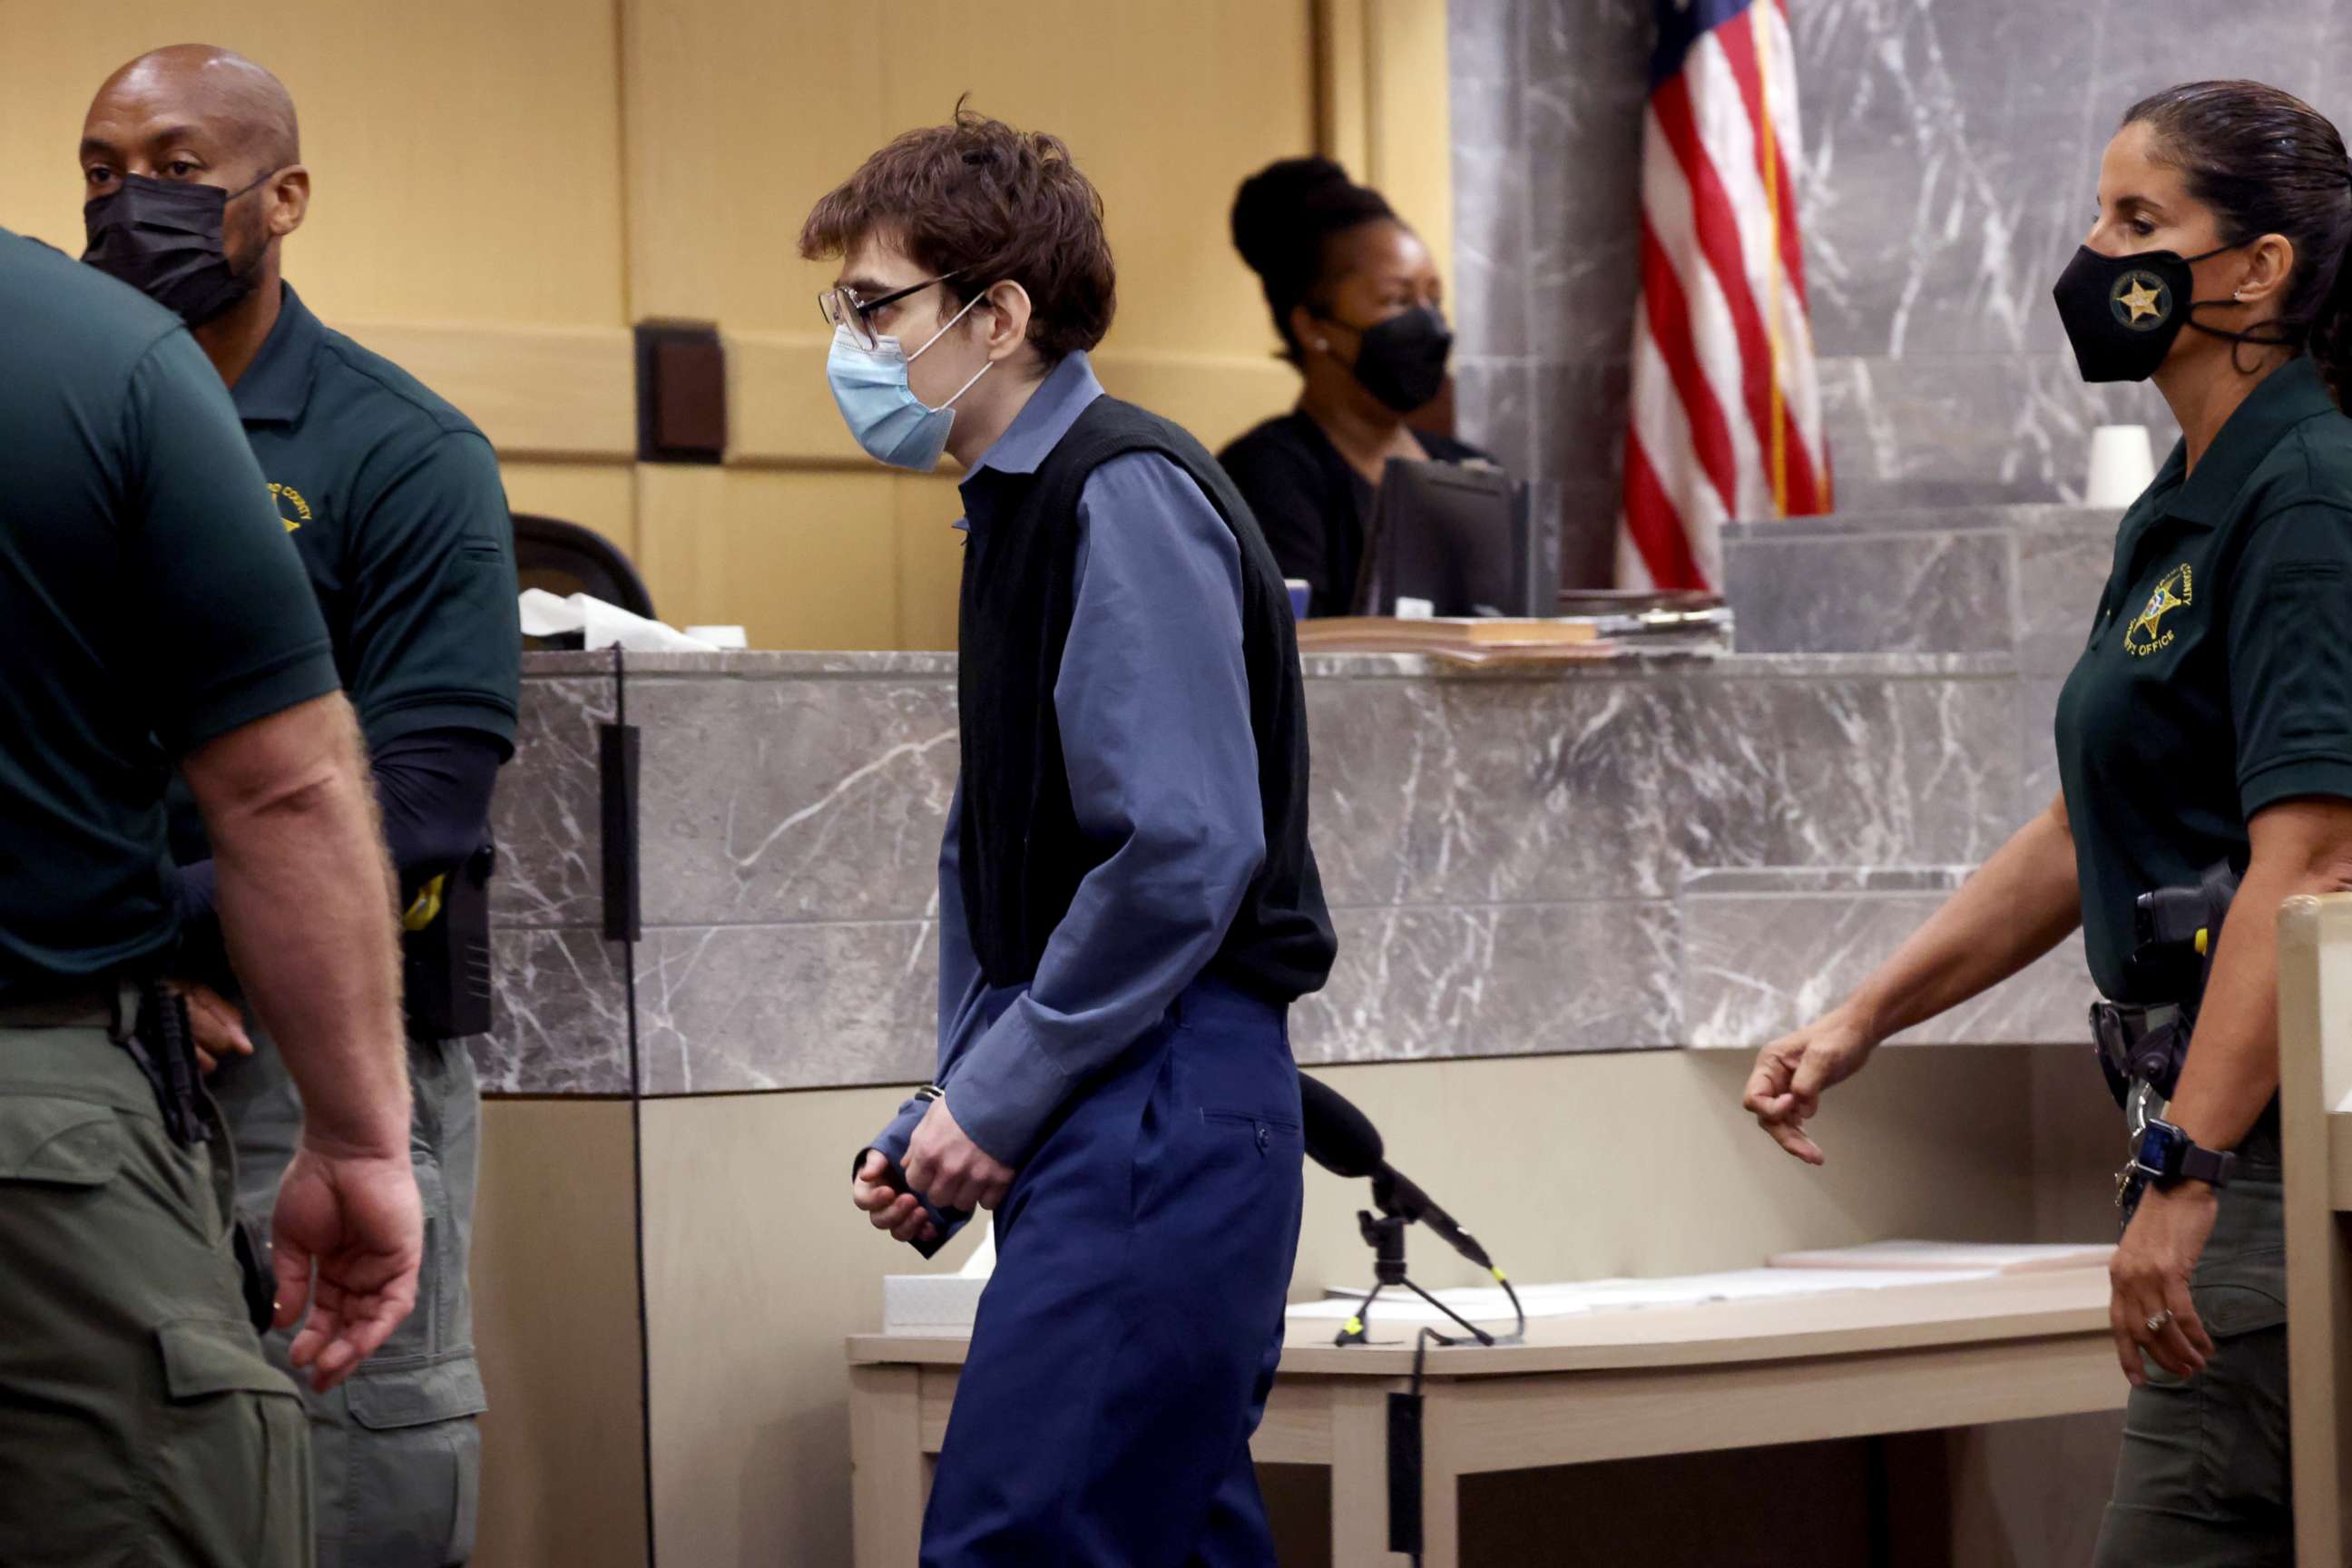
2166	1156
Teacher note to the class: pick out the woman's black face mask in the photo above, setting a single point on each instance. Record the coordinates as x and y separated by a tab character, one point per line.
2123	312
1402	360
166	239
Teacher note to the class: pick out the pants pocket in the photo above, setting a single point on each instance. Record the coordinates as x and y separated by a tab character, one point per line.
2242	1430
230	1463
413	1488
59	1143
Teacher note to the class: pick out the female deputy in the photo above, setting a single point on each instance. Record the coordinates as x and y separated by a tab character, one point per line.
2209	721
1355	297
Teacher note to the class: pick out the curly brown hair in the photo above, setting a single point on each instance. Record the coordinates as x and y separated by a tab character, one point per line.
977	199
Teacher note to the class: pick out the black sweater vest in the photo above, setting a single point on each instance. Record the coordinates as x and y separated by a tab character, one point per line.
1021	854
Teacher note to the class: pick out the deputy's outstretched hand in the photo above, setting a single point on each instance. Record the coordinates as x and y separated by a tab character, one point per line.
1785	1089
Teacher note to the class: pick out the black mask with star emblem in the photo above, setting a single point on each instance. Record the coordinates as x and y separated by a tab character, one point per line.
2122	313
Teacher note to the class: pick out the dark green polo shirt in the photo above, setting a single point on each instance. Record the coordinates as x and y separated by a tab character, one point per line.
148	603
2218	679
393	500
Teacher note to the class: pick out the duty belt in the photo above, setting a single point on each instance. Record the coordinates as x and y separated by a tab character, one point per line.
2140	1044
76	1007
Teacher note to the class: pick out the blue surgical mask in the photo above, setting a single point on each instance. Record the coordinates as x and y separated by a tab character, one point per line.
870	388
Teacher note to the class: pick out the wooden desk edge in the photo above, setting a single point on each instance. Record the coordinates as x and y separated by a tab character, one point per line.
1318	1360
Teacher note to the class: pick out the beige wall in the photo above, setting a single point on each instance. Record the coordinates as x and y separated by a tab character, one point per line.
756	1267
501	188
555	1314
465	156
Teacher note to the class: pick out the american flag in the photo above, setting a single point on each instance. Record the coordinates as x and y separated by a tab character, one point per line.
1727	419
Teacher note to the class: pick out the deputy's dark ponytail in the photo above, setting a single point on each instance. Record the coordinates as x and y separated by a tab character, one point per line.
2331	329
2267	162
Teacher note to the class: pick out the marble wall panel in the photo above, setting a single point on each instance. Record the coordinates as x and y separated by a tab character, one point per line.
1929	429
2037	742
1786	764
1576	456
1372	740
561	1016
546	816
2059	576
1496	790
1950	165
1491	175
787	798
1766	953
1586	86
1458	792
1494	409
1495	980
2022	579
811	1004
1909	592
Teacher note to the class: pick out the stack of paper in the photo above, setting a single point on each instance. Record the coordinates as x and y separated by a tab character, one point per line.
1485	1304
1977	1257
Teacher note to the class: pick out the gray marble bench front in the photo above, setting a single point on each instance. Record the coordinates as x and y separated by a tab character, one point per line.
1649	851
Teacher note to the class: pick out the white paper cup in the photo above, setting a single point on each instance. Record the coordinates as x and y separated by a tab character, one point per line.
2123	462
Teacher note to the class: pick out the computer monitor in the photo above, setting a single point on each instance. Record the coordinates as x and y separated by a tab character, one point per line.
1458	538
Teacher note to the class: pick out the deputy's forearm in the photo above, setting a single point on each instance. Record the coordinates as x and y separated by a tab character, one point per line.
307	901
2232	1068
2017	906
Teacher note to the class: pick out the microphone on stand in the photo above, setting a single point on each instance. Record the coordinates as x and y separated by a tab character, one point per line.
1343	1141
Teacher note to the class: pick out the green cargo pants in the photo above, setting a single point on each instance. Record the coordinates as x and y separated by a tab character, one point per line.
139	1419
2202	1482
396	1449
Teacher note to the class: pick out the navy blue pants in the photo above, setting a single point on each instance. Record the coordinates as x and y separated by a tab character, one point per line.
1125	1347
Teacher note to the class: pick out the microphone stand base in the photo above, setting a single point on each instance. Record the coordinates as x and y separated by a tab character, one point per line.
1385	1235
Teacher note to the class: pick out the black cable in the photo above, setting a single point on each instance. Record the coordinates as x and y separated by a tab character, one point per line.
1518	1336
1421	1342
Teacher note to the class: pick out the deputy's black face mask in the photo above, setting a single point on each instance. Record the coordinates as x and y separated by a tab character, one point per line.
166	239
2123	312
1401	361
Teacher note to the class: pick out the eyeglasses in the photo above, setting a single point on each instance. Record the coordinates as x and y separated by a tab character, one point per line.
843	308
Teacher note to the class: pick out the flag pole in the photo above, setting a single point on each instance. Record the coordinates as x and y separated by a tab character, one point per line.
1760	20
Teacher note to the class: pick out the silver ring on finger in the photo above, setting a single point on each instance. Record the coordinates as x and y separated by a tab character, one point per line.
2158	1323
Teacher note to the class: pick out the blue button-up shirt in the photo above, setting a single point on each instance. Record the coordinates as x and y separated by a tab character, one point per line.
1153	703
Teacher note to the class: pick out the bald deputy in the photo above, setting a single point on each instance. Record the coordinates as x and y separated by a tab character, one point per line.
190	158
151	612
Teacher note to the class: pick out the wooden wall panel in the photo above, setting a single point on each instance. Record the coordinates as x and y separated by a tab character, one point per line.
544	391
473	221
804	560
465	156
555	1314
601	496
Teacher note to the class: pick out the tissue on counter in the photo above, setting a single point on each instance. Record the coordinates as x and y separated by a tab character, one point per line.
939	1305
601	624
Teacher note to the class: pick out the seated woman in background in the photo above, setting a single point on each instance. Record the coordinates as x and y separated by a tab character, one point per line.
1355	295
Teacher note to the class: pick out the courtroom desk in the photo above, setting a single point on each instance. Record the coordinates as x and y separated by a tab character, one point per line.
1614	1384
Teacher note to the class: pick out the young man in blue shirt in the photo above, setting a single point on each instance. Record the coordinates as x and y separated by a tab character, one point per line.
1127	900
